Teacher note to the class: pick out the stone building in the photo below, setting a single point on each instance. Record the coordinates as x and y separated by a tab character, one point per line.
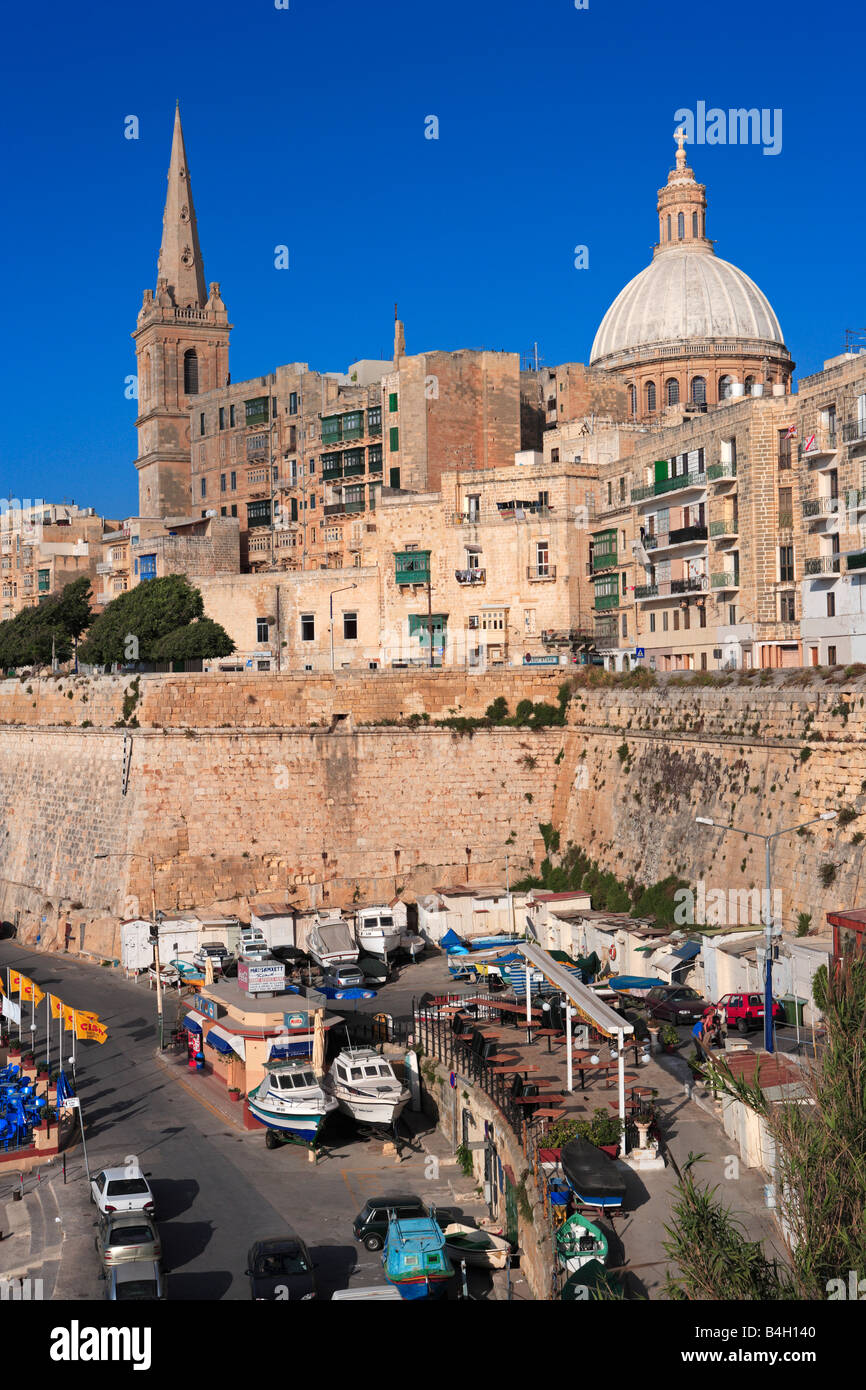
43	548
690	329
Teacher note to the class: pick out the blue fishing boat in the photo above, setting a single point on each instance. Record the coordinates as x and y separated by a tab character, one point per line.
415	1259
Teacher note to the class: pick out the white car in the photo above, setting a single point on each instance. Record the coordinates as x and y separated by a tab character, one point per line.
122	1189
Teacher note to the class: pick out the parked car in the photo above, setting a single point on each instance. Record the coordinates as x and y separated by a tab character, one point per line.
374	970
124	1237
676	1003
215	952
135	1282
370	1226
342	977
745	1011
122	1190
281	1269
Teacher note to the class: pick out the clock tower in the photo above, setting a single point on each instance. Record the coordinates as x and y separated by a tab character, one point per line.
181	348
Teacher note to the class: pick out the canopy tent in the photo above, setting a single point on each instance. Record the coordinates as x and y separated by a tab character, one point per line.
194	1020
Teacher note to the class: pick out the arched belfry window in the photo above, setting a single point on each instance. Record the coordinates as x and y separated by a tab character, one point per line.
694	224
190	372
672	391
669	226
681	226
650	395
699	390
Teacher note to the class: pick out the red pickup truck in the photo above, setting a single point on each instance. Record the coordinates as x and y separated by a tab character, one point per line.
746	1011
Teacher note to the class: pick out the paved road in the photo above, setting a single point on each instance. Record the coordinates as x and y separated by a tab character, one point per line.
217	1190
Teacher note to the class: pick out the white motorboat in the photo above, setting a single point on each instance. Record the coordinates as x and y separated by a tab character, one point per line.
364	1086
291	1100
376	931
330	941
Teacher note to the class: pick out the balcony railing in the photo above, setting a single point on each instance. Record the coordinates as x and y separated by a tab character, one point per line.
646	591
726	527
335	508
665	485
471	576
682	535
818	443
693	585
824	564
728	579
540	572
786	521
854	432
821	506
718	472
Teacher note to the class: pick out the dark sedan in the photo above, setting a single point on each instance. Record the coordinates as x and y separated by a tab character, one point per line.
281	1269
676	1003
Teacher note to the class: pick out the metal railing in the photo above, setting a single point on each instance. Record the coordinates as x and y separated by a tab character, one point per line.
683	534
821	506
646	591
854	431
541	572
725	580
665	485
818	442
727	527
477	576
720	471
824	564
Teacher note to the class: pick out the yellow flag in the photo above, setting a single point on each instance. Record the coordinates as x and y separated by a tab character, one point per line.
2	990
68	1017
30	991
88	1026
14	982
56	1006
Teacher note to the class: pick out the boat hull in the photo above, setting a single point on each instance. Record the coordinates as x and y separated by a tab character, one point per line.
479	1256
578	1227
304	1125
592	1176
412	1289
372	1112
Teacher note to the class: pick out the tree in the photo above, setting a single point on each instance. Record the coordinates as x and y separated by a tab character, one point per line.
820	1143
197	641
35	634
134	622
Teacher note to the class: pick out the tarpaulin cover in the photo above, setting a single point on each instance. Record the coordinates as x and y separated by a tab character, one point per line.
590	1173
633	982
688	951
349	993
451	939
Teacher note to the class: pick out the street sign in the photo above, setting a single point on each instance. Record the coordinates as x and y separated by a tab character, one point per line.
639	652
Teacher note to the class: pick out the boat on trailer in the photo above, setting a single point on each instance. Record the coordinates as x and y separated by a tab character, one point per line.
578	1241
592	1176
364	1086
481	1249
290	1101
415	1258
376	932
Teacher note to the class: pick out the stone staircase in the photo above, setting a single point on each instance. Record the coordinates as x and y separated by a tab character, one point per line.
32	1237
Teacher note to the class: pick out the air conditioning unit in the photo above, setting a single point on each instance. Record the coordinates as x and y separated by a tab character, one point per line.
473	621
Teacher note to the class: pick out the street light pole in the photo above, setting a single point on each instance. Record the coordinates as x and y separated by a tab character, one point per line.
769	1039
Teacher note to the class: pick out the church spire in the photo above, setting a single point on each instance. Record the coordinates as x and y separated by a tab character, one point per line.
180	259
682	207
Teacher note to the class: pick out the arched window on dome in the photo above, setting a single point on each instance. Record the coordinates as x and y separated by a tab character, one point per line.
650	395
681	226
748	384
699	390
672	391
694	224
632	399
190	372
724	387
669	226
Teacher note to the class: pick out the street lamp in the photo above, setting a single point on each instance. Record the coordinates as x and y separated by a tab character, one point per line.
769	1043
156	918
343	590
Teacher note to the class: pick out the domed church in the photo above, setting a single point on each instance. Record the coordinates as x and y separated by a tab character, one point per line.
690	330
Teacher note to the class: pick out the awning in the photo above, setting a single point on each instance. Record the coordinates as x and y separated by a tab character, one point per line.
688	951
226	1042
587	1004
667	962
193	1021
299	1048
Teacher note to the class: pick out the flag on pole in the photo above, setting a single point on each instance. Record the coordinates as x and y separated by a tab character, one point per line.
792	433
2	990
68	1017
56	1006
87	1026
30	991
14	982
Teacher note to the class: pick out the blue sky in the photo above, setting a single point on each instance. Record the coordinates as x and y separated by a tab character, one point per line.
305	127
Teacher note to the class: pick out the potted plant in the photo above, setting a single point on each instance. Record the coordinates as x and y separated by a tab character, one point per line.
669	1038
604	1130
234	1093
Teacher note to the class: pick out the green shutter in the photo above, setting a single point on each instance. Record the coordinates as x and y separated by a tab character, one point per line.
392	401
394	439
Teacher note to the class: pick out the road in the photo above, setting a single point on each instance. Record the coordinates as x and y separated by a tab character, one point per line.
217	1190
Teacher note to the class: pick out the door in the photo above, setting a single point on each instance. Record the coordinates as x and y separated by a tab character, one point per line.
510	1210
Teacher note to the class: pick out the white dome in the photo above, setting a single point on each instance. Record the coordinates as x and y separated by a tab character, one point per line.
685	293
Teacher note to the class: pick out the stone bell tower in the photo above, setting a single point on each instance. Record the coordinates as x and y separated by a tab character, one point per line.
181	348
